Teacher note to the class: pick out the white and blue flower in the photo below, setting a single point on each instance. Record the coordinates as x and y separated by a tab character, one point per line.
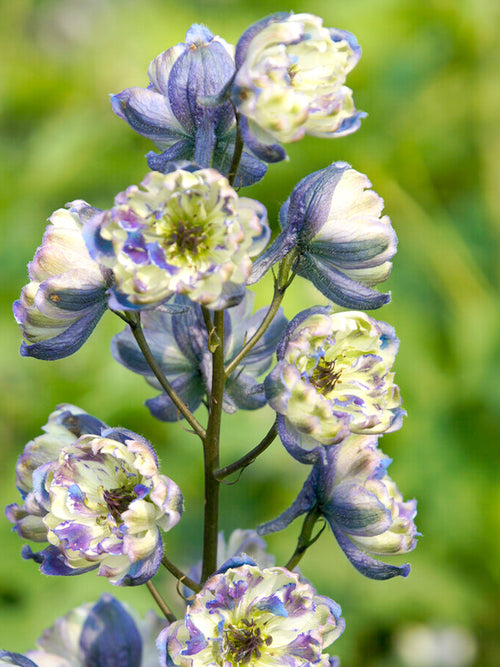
177	110
333	224
179	344
99	494
247	615
185	232
290	76
67	293
349	486
105	634
333	377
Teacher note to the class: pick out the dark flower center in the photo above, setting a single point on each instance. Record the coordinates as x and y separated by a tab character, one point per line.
187	238
324	377
118	501
243	642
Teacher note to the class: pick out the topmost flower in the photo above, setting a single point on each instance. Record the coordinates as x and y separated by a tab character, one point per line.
175	112
290	82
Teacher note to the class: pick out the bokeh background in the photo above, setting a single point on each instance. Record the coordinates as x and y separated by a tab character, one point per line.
429	79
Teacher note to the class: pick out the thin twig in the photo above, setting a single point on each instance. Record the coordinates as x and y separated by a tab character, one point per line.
250	457
305	541
160	602
178	574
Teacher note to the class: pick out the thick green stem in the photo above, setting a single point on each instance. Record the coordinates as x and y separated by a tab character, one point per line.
160	602
178	574
134	323
305	541
280	286
249	458
211	454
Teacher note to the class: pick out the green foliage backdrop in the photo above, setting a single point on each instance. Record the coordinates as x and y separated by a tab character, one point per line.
429	78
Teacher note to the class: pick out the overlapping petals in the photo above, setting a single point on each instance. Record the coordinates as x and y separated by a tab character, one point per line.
66	297
245	615
180	345
179	111
185	232
334	377
332	222
100	496
105	634
350	487
290	80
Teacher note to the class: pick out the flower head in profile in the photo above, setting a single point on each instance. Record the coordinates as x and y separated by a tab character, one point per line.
66	295
334	377
175	111
290	76
101	499
180	344
105	634
185	232
332	222
245	615
349	486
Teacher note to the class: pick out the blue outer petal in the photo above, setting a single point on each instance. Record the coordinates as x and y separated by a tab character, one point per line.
266	152
235	561
181	150
293	324
294	449
191	391
110	637
69	341
304	502
281	246
16	659
252	31
144	569
371	568
52	562
337	287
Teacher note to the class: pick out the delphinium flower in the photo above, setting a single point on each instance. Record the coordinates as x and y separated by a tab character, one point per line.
103	503
185	232
106	634
179	344
175	111
65	425
66	297
332	223
290	80
349	486
248	615
334	377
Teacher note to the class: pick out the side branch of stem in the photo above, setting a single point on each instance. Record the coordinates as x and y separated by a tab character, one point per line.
160	602
250	457
136	329
305	541
178	574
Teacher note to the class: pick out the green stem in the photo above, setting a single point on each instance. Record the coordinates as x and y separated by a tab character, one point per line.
136	329
211	453
305	541
178	574
160	602
280	286
238	150
249	458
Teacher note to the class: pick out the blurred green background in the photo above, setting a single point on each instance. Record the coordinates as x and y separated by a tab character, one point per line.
429	79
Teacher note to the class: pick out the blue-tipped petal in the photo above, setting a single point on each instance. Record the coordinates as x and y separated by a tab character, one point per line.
7	657
52	562
110	637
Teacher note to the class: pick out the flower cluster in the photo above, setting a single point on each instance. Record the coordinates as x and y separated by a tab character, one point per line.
173	258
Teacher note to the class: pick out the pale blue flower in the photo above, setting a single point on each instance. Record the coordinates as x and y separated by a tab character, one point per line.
248	615
179	344
185	232
333	377
332	222
100	497
349	486
67	295
290	80
177	110
105	634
